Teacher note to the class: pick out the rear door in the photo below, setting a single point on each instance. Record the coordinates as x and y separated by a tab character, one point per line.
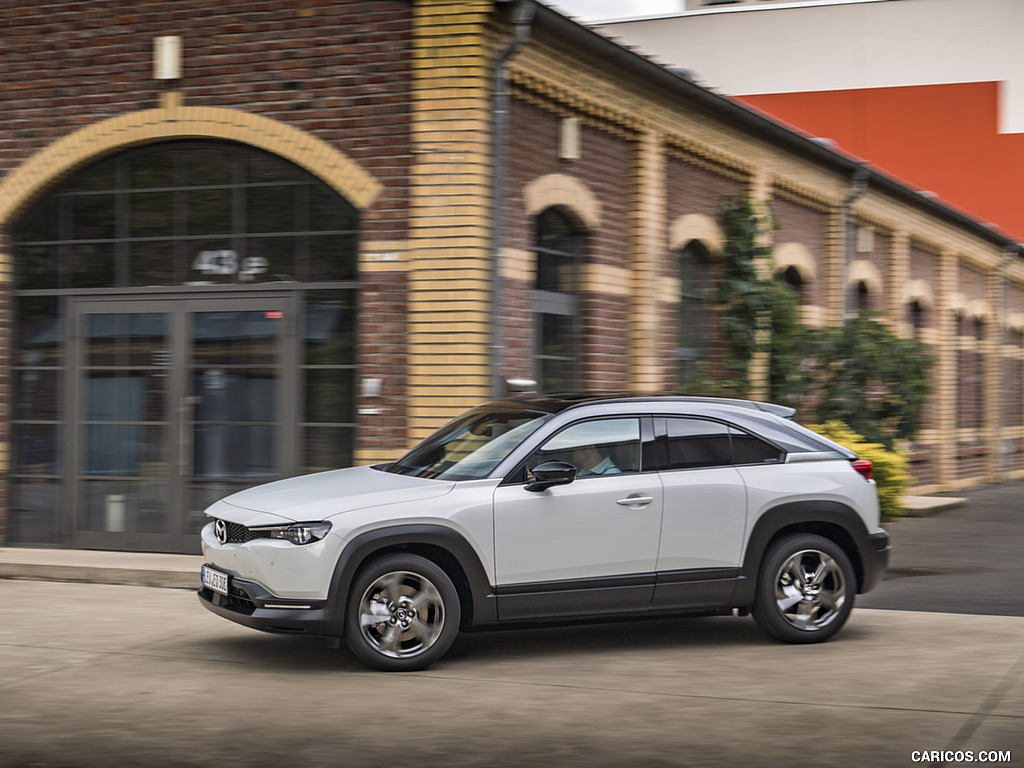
705	513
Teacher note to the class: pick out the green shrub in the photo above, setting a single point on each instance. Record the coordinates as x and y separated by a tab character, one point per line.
889	466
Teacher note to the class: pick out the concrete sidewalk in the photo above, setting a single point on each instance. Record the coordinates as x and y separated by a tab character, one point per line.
145	569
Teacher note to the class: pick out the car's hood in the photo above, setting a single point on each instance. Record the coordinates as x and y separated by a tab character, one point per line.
310	498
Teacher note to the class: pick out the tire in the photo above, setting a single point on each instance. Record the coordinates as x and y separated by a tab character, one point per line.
418	610
805	590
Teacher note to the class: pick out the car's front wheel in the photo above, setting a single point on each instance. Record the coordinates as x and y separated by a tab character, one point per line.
403	613
805	590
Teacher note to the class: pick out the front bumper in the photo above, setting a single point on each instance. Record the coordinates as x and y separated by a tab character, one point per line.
275	567
250	605
875	552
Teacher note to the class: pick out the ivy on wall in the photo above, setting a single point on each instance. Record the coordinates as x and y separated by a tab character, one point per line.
861	373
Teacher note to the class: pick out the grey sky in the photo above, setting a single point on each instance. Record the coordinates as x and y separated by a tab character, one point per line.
602	10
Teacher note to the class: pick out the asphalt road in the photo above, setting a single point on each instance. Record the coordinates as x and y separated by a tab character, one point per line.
969	559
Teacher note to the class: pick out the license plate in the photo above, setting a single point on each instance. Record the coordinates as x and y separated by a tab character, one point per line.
215	580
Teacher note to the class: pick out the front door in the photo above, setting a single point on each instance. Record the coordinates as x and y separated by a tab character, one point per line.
175	403
585	548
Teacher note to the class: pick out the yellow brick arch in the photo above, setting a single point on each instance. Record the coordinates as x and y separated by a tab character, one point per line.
696	226
89	143
559	189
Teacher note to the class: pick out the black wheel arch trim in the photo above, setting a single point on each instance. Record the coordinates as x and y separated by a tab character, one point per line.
868	552
445	546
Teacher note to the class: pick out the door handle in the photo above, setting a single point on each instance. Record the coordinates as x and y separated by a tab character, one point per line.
635	501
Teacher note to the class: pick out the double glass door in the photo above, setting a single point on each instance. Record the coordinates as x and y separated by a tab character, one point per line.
176	403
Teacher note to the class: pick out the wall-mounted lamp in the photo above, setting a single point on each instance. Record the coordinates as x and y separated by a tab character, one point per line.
167	58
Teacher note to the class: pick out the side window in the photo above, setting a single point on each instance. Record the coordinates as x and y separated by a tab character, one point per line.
694	443
747	449
601	447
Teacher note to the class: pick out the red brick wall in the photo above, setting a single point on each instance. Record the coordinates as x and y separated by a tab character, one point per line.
924	266
605	168
337	69
878	257
799	223
693	189
383	312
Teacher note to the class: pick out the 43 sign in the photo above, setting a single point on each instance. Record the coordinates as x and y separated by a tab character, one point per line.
226	262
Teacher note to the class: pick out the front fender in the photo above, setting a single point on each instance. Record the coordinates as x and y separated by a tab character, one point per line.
444	545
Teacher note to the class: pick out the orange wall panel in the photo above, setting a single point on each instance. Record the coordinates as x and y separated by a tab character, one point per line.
942	138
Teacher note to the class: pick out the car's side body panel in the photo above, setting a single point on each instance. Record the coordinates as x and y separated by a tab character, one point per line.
704	521
594	527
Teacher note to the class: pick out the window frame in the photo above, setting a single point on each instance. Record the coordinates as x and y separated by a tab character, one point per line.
558	303
659	450
691	303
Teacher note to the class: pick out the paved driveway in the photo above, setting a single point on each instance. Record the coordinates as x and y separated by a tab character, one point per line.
969	559
108	675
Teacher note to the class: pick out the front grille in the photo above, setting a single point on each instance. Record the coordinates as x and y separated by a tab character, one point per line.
239	534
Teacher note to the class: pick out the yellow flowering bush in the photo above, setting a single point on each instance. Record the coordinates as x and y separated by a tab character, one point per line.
889	467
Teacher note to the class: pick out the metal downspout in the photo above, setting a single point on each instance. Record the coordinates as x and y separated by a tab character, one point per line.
858	187
522	18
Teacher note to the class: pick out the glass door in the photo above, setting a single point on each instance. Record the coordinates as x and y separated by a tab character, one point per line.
175	403
238	395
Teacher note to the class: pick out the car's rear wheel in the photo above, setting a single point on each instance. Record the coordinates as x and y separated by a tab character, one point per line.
403	613
805	590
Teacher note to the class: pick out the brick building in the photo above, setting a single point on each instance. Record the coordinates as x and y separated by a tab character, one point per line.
242	240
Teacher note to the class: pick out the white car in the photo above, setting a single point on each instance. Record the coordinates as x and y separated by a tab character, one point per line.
537	509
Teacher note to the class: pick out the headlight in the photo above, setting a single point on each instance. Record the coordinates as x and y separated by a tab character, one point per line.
297	533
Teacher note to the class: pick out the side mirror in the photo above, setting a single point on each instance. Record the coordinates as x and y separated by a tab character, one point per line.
551	473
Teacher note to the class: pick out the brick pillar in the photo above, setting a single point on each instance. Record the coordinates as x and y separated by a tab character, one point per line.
945	396
449	220
6	278
649	245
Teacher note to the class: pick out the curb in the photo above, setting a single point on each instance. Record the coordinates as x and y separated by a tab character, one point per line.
922	506
97	567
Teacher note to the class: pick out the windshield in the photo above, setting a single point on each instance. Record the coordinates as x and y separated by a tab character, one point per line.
470	447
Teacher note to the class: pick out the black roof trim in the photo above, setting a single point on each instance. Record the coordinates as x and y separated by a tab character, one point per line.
554	403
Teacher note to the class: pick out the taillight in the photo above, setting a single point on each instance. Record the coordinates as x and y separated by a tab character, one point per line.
863	466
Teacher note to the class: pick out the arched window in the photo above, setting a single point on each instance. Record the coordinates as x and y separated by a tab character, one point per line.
187	212
792	277
862	297
695	322
970	371
917	318
184	319
978	330
559	252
